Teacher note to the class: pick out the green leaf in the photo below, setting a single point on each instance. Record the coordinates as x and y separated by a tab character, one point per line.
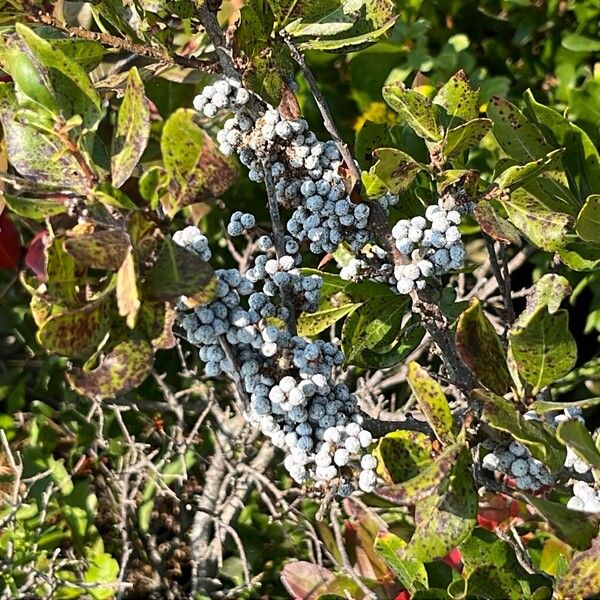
128	289
179	272
461	138
310	324
570	526
415	109
580	43
458	98
544	227
549	290
580	255
71	86
121	370
76	333
517	175
495	583
480	348
582	579
132	130
374	324
395	169
35	155
588	220
425	483
254	28
111	196
483	547
543	349
410	572
432	402
60	476
575	434
402	455
518	137
444	521
581	159
537	437
104	249
37	209
544	406
497	227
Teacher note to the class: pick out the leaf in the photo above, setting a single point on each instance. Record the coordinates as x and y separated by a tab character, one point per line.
76	333
497	227
303	579
402	455
372	325
458	98
570	526
544	227
549	290
537	437
432	402
194	167
461	138
344	26
495	583
582	579
480	348
543	349
10	243
444	521
580	43
35	155
121	370
588	220
581	159
38	209
410	572
517	175
395	169
179	272
575	434
415	109
132	130
128	291
425	483
483	548
543	406
71	85
104	249
310	324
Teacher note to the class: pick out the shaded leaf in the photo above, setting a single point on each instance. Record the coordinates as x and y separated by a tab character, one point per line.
415	109
402	455
480	348
543	348
132	130
105	249
121	370
10	243
432	402
575	434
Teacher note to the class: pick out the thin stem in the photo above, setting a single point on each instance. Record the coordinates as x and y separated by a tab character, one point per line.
323	108
507	292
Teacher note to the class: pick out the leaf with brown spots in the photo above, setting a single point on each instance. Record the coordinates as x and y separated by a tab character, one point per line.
549	290
517	175
395	169
494	225
121	370
76	333
543	348
588	220
479	347
445	520
461	138
425	483
458	98
402	455
539	438
582	579
432	402
104	249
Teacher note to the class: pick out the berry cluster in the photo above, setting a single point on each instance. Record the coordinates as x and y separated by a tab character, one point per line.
240	222
225	93
288	380
585	498
516	462
193	240
433	243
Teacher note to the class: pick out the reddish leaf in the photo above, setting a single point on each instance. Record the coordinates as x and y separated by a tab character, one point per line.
305	580
454	560
10	244
35	258
403	595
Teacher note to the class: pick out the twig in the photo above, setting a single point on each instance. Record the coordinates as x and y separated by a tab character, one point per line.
323	108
